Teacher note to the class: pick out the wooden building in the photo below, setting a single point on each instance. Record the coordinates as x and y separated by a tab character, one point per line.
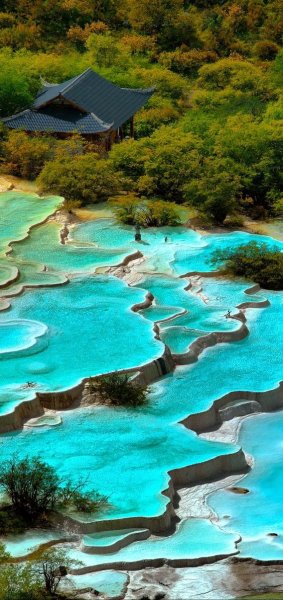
87	104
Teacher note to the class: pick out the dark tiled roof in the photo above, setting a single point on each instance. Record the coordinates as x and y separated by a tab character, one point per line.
57	118
50	91
94	94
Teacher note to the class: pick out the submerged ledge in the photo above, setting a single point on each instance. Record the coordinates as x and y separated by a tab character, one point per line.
215	468
212	469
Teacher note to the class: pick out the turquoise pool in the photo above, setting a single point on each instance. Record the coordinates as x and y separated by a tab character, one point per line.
55	335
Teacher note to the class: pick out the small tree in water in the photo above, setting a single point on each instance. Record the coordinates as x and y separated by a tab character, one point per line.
34	488
31	485
118	390
256	261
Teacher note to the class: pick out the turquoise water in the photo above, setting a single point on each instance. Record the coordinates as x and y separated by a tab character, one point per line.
198	259
21	211
258	513
55	336
25	543
193	538
201	317
123	454
108	538
111	583
43	246
80	320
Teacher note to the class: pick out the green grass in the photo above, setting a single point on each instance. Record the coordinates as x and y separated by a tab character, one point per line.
265	596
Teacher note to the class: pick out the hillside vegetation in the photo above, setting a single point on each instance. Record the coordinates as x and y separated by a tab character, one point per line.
212	134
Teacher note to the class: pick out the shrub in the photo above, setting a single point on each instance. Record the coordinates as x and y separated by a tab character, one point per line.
147	213
10	522
266	50
125	208
51	567
72	496
6	20
31	485
149	119
235	220
85	178
255	261
21	36
79	35
158	213
278	208
20	582
118	390
184	60
34	488
167	83
25	156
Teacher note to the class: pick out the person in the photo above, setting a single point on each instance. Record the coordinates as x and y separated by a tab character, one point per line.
166	239
228	314
30	384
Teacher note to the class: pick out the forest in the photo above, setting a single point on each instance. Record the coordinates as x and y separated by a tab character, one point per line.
211	136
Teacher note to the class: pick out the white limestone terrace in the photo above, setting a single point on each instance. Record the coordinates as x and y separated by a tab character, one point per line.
184	384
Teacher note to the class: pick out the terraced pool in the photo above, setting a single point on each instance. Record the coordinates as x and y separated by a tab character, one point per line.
74	320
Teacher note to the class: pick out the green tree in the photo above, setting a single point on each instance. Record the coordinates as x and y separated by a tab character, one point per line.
52	567
31	485
19	581
216	191
15	93
118	390
175	159
33	488
25	156
85	177
255	261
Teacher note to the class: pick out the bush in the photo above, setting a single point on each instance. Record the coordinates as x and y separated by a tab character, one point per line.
24	156
21	36
147	213
125	209
34	488
10	522
266	50
234	221
15	92
278	208
187	61
85	178
159	213
31	485
255	261
118	390
20	582
6	20
148	120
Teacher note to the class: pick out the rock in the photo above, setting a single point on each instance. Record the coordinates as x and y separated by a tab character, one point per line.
238	490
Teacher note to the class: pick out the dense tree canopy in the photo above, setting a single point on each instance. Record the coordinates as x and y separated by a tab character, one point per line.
211	135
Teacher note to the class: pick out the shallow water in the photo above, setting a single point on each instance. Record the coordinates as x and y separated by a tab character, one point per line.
193	538
144	442
22	544
55	336
111	583
257	514
80	321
